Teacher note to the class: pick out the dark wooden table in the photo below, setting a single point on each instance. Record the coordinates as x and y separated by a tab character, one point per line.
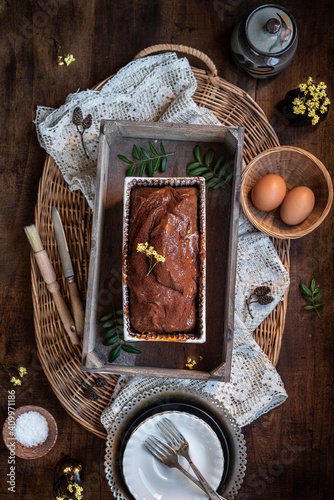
290	450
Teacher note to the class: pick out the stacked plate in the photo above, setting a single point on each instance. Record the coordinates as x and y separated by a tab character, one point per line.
148	478
216	446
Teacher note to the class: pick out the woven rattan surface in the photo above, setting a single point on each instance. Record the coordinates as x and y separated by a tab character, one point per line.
298	168
85	395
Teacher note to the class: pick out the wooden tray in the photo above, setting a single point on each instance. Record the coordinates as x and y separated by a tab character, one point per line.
61	361
222	216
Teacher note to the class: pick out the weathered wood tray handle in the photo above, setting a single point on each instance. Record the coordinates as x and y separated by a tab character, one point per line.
163	47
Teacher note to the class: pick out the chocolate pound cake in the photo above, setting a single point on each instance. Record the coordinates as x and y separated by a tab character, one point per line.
165	218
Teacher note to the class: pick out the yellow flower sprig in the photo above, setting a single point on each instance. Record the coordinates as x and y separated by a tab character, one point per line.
14	380
151	254
78	490
313	98
68	59
72	486
63	58
190	363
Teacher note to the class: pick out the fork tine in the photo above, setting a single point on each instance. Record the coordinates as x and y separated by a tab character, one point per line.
152	450
152	447
171	439
158	443
173	430
172	426
149	447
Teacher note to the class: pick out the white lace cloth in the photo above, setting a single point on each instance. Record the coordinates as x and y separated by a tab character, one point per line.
160	88
155	88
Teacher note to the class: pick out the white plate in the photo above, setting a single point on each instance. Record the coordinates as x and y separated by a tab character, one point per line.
149	479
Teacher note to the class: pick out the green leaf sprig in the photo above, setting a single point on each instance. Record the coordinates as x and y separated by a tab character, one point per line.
312	295
113	322
215	173
147	160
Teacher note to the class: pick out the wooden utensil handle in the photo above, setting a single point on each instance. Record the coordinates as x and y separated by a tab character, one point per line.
77	309
50	279
63	311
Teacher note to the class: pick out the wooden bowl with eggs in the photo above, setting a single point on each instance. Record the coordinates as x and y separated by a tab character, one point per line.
297	168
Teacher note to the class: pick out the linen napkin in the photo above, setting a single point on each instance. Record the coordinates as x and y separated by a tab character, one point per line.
154	88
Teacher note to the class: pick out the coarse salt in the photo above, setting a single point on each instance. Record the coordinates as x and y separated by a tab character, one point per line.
31	429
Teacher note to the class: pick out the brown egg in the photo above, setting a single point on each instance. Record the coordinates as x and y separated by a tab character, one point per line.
297	205
268	193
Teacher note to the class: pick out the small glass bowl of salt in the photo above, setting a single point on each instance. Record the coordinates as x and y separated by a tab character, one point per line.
30	433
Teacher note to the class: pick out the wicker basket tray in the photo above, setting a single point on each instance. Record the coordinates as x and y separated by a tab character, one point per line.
83	395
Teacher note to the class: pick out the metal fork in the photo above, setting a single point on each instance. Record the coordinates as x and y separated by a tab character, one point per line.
181	446
167	455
